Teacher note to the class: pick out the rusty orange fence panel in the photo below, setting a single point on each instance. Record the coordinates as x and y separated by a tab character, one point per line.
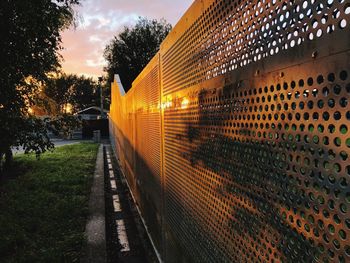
235	138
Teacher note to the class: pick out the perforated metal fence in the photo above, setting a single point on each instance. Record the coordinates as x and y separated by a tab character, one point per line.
235	137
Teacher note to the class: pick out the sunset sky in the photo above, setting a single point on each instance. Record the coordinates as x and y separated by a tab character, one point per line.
100	20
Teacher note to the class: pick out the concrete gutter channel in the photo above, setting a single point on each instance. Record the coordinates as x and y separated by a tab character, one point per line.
114	230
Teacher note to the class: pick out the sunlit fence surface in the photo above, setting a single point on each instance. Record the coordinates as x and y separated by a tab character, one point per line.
235	138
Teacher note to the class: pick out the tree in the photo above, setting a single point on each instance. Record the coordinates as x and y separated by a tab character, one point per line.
59	89
29	46
85	93
130	51
45	105
78	91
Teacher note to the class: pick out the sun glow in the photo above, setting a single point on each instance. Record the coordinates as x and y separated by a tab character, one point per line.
68	108
184	103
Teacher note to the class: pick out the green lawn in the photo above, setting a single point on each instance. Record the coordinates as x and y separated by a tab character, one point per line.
43	211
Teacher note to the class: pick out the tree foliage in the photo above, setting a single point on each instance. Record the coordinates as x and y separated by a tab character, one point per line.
130	51
30	41
78	91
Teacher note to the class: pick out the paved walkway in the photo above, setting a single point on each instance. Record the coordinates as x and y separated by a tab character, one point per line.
95	251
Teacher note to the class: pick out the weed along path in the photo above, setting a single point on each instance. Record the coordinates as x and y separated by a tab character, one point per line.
44	209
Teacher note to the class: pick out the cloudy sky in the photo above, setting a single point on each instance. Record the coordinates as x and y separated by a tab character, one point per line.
100	20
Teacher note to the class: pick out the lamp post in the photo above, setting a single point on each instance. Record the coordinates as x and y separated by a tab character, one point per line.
100	79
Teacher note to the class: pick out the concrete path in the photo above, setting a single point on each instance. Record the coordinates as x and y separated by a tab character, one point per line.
95	251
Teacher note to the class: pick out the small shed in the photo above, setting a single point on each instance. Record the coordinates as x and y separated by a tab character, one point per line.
92	121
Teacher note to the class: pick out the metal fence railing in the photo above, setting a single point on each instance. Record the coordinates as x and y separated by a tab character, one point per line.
235	137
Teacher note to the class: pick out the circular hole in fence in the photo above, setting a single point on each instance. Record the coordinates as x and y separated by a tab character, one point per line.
331	77
343	102
331	103
343	208
343	129
337	141
320	79
343	155
325	116
343	75
347	142
311	36
337	89
342	23
337	115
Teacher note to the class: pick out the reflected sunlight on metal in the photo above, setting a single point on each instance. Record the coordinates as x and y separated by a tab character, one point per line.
184	103
235	137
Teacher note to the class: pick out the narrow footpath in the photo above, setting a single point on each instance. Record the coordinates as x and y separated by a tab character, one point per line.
126	237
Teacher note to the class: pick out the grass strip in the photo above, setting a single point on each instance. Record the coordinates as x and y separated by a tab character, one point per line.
43	211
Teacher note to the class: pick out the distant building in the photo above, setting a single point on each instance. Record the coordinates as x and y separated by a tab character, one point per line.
91	113
92	121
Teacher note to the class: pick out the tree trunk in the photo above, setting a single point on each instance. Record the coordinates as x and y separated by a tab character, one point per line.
8	157
1	163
